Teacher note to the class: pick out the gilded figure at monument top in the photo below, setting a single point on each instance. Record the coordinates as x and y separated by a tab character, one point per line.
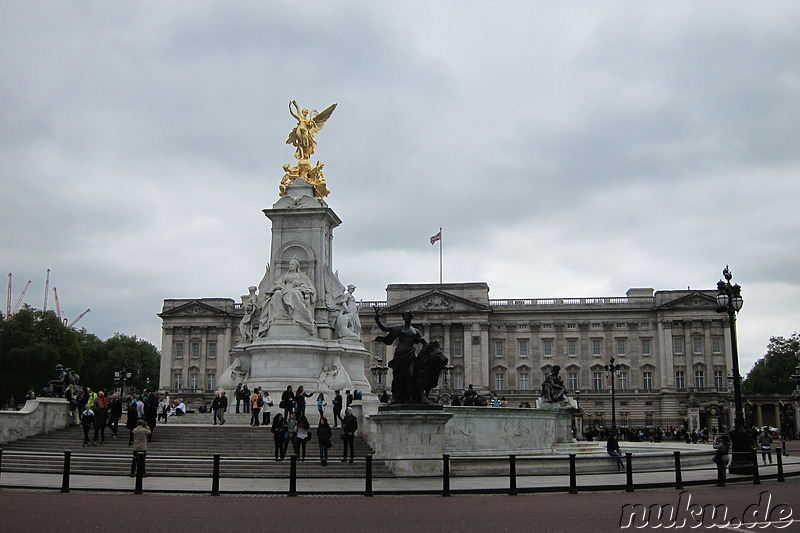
308	124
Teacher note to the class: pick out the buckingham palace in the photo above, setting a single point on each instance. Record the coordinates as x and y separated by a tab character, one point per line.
672	348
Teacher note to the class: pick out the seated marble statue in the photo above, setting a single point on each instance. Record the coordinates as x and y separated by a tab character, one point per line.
553	389
292	296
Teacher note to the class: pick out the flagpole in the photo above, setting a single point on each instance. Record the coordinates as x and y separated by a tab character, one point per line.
440	257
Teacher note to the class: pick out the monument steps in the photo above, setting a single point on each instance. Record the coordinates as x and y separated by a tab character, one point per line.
183	450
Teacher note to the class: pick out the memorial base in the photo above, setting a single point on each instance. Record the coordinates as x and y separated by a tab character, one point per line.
410	441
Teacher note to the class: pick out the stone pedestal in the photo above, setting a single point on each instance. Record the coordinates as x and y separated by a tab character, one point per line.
401	438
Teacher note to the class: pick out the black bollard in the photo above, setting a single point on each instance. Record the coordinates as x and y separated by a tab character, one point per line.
678	473
573	476
445	474
781	479
215	478
368	476
65	477
756	476
139	472
512	475
292	475
721	473
628	472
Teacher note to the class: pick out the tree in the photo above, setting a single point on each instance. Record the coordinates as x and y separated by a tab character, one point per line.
32	343
772	373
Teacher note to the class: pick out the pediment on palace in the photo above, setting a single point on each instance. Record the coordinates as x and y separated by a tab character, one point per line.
695	300
193	308
437	301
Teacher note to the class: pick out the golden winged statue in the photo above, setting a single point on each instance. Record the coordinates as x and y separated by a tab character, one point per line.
308	124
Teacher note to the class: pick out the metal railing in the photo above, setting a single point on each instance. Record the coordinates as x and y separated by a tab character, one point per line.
511	474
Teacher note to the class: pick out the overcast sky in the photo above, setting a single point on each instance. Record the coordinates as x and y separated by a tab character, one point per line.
568	149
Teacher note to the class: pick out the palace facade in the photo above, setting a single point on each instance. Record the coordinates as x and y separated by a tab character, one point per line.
672	346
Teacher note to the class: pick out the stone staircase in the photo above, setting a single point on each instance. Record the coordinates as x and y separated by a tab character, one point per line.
185	449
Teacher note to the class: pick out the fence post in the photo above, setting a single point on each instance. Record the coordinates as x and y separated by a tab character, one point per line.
628	472
512	475
756	476
368	476
65	476
781	479
215	476
139	472
292	475
445	475
678	473
573	476
1	460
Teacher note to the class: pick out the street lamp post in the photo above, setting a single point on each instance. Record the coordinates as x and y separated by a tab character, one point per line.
379	370
730	301
796	401
612	369
121	377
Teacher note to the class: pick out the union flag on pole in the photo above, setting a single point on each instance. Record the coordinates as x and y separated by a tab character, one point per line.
437	237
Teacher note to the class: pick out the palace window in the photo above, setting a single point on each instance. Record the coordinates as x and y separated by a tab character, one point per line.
647	379
524	383
699	379
697	345
680	379
210	381
195	350
597	380
177	379
458	380
194	380
458	348
572	379
623	380
499	348
716	345
523	348
547	347
178	350
719	379
572	347
645	346
597	347
499	380
621	347
677	345
212	350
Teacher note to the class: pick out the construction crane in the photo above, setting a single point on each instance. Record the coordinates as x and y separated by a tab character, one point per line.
58	304
8	300
76	319
46	290
21	297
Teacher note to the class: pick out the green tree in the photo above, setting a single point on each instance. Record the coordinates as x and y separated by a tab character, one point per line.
772	373
137	356
32	343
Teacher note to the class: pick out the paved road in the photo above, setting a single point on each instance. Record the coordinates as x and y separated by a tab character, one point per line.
32	511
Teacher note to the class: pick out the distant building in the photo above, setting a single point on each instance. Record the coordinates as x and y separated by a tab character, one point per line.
673	347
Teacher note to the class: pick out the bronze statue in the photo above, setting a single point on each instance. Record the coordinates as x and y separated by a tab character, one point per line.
553	389
416	364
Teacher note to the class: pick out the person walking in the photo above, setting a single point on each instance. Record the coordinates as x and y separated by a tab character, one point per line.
765	443
133	420
265	409
246	398
287	402
300	401
141	435
238	396
87	423
302	438
215	407
321	405
100	421
337	409
223	407
279	435
324	435
349	427
612	447
114	414
722	447
291	434
255	407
